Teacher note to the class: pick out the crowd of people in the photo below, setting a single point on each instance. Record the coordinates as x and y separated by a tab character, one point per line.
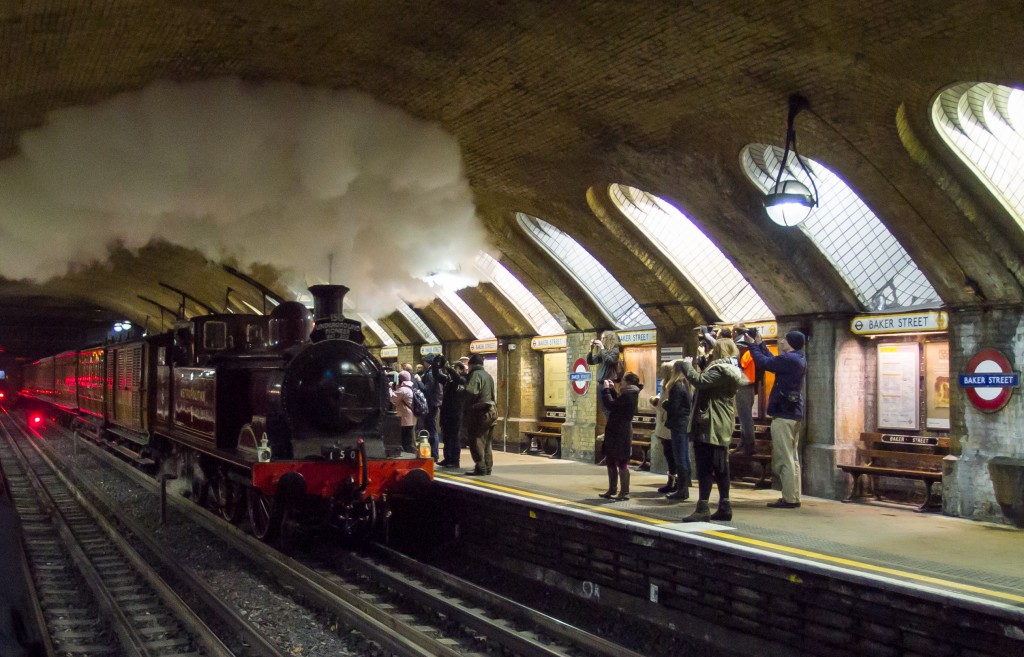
701	400
458	404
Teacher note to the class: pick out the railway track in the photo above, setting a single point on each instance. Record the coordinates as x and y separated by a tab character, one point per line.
407	607
97	595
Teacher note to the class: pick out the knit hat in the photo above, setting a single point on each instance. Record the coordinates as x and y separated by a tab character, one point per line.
796	339
404	376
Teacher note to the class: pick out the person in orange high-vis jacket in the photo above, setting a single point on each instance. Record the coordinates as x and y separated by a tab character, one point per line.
745	394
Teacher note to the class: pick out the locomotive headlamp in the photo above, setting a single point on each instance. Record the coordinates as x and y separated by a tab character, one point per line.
789	202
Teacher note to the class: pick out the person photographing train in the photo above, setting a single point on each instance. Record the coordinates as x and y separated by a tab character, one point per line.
786	406
605	353
618	434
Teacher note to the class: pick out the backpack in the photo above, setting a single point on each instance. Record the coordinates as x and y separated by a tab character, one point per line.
419	402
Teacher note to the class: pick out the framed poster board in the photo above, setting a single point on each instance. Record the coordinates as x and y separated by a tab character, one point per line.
898	392
556	379
936	385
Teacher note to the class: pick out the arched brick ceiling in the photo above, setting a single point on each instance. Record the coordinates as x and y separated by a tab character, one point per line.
549	99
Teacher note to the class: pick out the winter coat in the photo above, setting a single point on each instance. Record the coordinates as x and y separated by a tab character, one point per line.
785	401
402	401
713	417
607	361
436	378
677	406
618	433
454	399
479	389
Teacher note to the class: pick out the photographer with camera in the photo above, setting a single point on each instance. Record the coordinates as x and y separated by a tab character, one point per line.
605	354
453	377
711	422
618	435
786	406
745	395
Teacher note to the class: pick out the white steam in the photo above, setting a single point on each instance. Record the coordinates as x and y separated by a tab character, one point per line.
274	173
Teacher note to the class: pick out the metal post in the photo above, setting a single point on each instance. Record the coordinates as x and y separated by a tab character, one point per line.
163	497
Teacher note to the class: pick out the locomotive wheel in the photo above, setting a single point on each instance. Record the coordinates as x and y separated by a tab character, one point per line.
264	516
230	498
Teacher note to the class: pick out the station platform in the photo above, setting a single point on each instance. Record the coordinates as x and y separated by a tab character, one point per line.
983	562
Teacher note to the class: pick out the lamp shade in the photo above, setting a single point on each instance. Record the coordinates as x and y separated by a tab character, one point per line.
789	202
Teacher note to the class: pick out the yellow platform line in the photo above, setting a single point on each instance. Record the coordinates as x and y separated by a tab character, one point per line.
548	498
860	565
727	536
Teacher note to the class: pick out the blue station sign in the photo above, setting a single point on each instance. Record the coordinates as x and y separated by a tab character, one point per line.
1000	380
581	376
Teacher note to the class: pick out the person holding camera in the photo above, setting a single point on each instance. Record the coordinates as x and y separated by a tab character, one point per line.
745	395
677	410
662	432
786	406
618	434
712	419
452	401
605	354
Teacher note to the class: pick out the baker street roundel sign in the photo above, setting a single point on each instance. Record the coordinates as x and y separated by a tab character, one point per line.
580	376
989	380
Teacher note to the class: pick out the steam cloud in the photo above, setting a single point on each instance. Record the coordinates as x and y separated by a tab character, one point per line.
274	173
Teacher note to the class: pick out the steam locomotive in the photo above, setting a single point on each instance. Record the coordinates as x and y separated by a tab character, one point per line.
278	416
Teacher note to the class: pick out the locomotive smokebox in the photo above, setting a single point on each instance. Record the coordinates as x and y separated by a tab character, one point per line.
331	323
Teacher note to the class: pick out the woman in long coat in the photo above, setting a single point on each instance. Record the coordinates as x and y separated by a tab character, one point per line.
618	433
662	432
712	420
677	408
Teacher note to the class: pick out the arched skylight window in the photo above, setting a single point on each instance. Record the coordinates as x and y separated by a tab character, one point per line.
696	256
464	313
868	257
378	330
982	123
597	281
520	297
418	324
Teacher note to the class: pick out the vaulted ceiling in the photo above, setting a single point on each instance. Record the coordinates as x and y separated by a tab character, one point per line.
550	102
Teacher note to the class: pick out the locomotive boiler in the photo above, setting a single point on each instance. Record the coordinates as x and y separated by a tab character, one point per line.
283	418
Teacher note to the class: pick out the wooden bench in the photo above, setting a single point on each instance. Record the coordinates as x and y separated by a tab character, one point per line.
545	440
904	457
643	427
762	456
641	455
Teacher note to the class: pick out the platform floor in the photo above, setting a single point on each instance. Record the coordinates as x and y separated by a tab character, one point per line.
980	560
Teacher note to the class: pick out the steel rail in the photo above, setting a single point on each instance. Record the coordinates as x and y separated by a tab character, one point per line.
379	625
330	590
135	641
477	595
229	614
130	641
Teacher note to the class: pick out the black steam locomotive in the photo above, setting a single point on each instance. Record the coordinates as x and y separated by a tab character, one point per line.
277	415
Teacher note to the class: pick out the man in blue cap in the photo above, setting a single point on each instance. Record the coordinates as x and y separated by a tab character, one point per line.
786	406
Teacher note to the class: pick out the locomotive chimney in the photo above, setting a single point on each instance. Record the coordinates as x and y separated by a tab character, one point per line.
328	301
330	322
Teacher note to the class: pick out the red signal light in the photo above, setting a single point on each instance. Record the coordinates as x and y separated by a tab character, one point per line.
36	420
1	394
